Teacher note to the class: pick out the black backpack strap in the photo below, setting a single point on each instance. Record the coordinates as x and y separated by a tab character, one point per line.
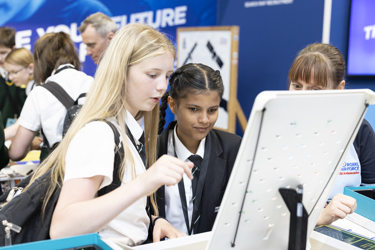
65	99
59	93
80	96
45	143
119	155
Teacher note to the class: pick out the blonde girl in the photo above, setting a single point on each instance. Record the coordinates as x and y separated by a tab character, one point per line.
131	78
19	64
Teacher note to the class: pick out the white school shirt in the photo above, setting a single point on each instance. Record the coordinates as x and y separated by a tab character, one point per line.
43	110
91	153
29	87
173	207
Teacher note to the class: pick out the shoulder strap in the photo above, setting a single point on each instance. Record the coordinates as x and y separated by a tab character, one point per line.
119	155
80	96
59	93
119	148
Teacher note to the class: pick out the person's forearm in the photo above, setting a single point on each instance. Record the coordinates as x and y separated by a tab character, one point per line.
21	143
88	216
17	153
11	131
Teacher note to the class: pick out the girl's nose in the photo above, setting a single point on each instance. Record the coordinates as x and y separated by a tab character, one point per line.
162	85
204	118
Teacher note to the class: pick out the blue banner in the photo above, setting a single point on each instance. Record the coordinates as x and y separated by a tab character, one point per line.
34	18
361	50
271	34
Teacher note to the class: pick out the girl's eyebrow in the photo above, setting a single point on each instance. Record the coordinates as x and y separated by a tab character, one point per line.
313	84
160	69
194	105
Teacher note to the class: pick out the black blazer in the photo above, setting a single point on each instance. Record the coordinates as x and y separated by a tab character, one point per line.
224	149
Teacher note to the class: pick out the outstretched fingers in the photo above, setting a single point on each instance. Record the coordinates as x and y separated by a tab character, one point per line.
173	170
167	170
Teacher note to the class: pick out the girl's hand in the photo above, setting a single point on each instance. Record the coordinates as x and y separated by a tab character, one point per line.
167	170
338	208
163	228
37	141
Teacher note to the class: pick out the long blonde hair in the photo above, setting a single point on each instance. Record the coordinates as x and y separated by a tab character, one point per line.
107	98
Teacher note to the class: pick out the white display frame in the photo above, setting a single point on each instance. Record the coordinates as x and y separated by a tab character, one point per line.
292	138
278	118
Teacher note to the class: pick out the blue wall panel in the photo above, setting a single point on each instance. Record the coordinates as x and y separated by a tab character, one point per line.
339	38
270	38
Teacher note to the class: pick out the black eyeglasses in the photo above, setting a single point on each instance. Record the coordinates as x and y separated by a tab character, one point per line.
15	72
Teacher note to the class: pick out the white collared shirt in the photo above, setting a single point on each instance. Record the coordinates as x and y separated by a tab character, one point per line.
43	110
173	207
29	87
91	153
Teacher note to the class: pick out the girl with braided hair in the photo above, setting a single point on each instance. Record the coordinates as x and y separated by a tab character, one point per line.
194	97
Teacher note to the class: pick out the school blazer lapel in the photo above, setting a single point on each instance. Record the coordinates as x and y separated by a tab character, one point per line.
202	177
208	191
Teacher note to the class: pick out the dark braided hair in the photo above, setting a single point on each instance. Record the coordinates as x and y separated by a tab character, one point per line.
191	78
162	108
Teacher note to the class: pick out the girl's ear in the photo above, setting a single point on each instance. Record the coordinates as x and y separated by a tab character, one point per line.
30	70
31	67
172	104
341	85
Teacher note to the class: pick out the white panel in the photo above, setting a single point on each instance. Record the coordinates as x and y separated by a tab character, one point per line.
292	138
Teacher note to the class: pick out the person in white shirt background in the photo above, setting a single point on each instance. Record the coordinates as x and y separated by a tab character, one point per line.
56	60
